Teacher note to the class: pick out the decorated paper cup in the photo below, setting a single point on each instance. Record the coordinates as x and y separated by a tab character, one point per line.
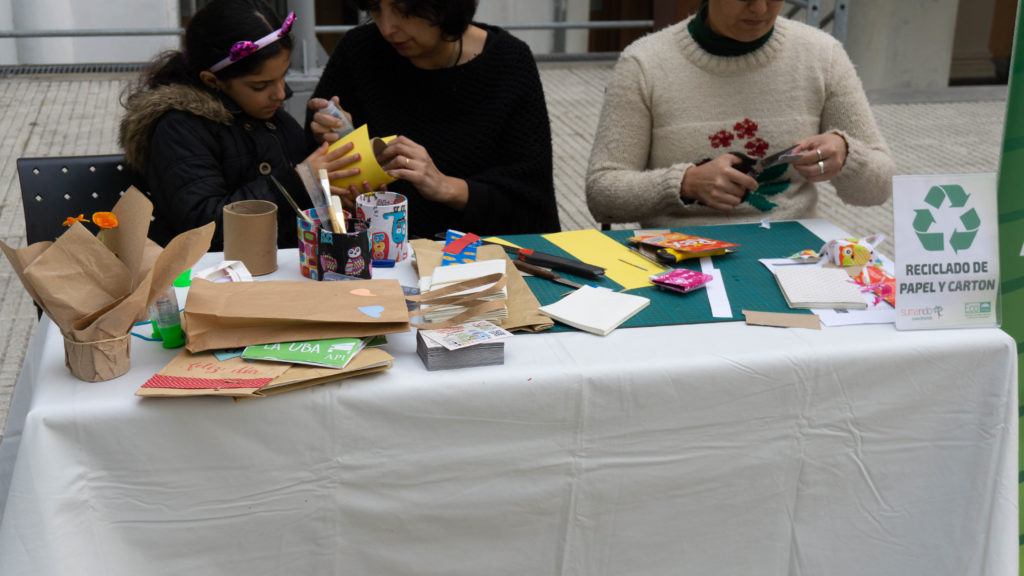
321	251
388	216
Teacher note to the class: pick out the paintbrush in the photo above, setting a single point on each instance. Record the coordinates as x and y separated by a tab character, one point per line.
337	224
291	201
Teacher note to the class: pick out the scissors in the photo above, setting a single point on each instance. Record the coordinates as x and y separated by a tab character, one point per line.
753	167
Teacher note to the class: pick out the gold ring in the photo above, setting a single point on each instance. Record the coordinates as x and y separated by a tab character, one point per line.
818	150
821	165
407	161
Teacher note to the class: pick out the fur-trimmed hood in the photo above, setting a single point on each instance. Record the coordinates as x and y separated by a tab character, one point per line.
144	109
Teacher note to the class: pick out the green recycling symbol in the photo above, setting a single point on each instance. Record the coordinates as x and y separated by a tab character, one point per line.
958	239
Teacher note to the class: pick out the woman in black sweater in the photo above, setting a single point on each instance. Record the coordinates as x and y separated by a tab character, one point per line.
474	146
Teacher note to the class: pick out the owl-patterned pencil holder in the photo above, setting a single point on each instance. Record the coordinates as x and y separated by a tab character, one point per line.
323	251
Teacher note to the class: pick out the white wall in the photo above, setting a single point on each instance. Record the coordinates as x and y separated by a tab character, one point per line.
534	11
106	14
899	44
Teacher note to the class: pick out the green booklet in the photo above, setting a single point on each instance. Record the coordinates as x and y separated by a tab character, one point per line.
333	352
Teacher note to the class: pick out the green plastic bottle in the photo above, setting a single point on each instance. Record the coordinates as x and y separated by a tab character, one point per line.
166	319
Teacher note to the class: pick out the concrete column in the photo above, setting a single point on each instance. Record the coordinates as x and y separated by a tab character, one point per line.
97	14
902	44
8	47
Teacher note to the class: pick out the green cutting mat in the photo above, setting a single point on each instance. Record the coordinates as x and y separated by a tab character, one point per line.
749	285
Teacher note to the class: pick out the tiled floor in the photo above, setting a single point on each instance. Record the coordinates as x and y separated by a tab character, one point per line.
948	131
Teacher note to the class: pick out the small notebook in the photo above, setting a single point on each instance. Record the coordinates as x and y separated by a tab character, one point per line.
815	287
595	310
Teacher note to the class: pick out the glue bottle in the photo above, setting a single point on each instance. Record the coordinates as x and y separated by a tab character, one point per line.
166	319
336	112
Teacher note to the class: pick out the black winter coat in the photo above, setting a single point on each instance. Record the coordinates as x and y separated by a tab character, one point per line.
200	152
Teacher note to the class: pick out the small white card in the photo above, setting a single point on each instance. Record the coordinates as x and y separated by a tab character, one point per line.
595	310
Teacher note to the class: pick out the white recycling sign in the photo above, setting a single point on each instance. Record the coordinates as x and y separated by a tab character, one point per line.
947	251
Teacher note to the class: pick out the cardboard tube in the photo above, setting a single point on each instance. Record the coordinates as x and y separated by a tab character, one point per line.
250	235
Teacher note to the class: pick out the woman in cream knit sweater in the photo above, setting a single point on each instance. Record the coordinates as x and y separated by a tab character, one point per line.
733	78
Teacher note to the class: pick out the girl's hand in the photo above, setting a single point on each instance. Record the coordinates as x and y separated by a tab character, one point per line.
823	157
335	162
323	124
406	160
348	199
716	184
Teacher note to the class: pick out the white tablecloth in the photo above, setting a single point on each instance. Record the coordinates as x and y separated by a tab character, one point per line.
704	449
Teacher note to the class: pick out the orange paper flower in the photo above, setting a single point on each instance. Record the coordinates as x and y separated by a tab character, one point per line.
104	219
72	219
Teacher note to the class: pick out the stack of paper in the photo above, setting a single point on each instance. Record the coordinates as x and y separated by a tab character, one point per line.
447	275
595	310
477	344
816	287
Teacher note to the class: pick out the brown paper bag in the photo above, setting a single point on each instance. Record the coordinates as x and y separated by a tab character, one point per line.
95	289
236	314
203	375
522	304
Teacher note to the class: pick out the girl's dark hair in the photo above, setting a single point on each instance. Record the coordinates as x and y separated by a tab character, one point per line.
451	16
209	37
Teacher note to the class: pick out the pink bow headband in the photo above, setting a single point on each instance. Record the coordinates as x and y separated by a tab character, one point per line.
245	47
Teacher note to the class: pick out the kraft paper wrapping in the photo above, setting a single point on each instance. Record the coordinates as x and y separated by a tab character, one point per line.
177	378
250	235
237	314
94	290
368	150
522	304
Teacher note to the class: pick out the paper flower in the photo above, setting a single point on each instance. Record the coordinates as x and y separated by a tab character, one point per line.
70	220
104	219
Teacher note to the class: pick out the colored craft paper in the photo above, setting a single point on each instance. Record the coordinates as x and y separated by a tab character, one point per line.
502	241
621	265
369	169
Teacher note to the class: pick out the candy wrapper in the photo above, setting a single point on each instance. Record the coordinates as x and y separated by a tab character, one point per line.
852	251
681	280
95	289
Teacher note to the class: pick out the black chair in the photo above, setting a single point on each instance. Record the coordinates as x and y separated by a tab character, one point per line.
52	189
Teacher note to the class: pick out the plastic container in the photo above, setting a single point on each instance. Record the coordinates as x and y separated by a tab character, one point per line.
166	319
336	112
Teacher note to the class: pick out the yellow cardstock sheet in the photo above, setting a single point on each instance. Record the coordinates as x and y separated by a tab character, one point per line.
370	170
621	265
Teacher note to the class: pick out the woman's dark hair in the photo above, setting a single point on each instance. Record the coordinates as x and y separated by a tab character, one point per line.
451	16
209	37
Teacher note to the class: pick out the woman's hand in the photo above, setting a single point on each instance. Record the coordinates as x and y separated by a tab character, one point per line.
823	157
335	162
406	160
323	124
716	184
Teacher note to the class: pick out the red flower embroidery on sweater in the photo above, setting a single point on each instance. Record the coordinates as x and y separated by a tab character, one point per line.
756	147
746	129
721	139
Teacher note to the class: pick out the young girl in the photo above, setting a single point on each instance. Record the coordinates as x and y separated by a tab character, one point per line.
206	128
